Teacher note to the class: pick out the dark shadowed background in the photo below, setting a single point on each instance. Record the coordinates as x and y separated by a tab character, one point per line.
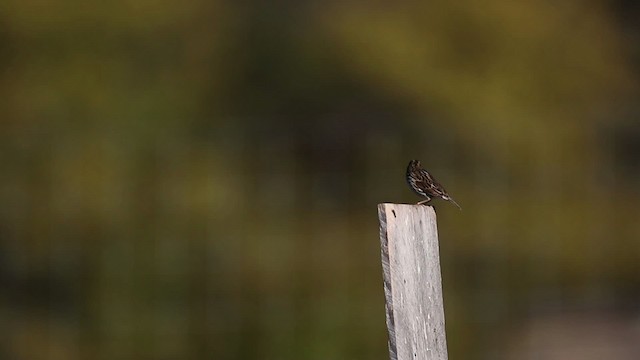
199	179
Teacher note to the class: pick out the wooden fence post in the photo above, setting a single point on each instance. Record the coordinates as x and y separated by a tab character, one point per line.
412	282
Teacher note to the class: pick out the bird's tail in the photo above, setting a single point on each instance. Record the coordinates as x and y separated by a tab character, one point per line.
453	201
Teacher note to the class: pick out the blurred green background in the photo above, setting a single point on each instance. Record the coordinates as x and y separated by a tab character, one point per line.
199	180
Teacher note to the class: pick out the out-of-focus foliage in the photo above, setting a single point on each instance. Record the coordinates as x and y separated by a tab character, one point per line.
198	180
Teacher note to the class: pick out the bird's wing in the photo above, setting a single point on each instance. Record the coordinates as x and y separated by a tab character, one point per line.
433	185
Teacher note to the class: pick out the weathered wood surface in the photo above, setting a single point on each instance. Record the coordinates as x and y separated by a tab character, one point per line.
412	282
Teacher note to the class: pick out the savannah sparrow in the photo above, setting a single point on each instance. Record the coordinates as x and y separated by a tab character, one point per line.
425	185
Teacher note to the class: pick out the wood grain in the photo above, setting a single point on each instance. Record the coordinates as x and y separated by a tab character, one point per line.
412	282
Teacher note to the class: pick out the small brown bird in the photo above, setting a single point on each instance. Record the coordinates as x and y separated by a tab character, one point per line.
424	184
